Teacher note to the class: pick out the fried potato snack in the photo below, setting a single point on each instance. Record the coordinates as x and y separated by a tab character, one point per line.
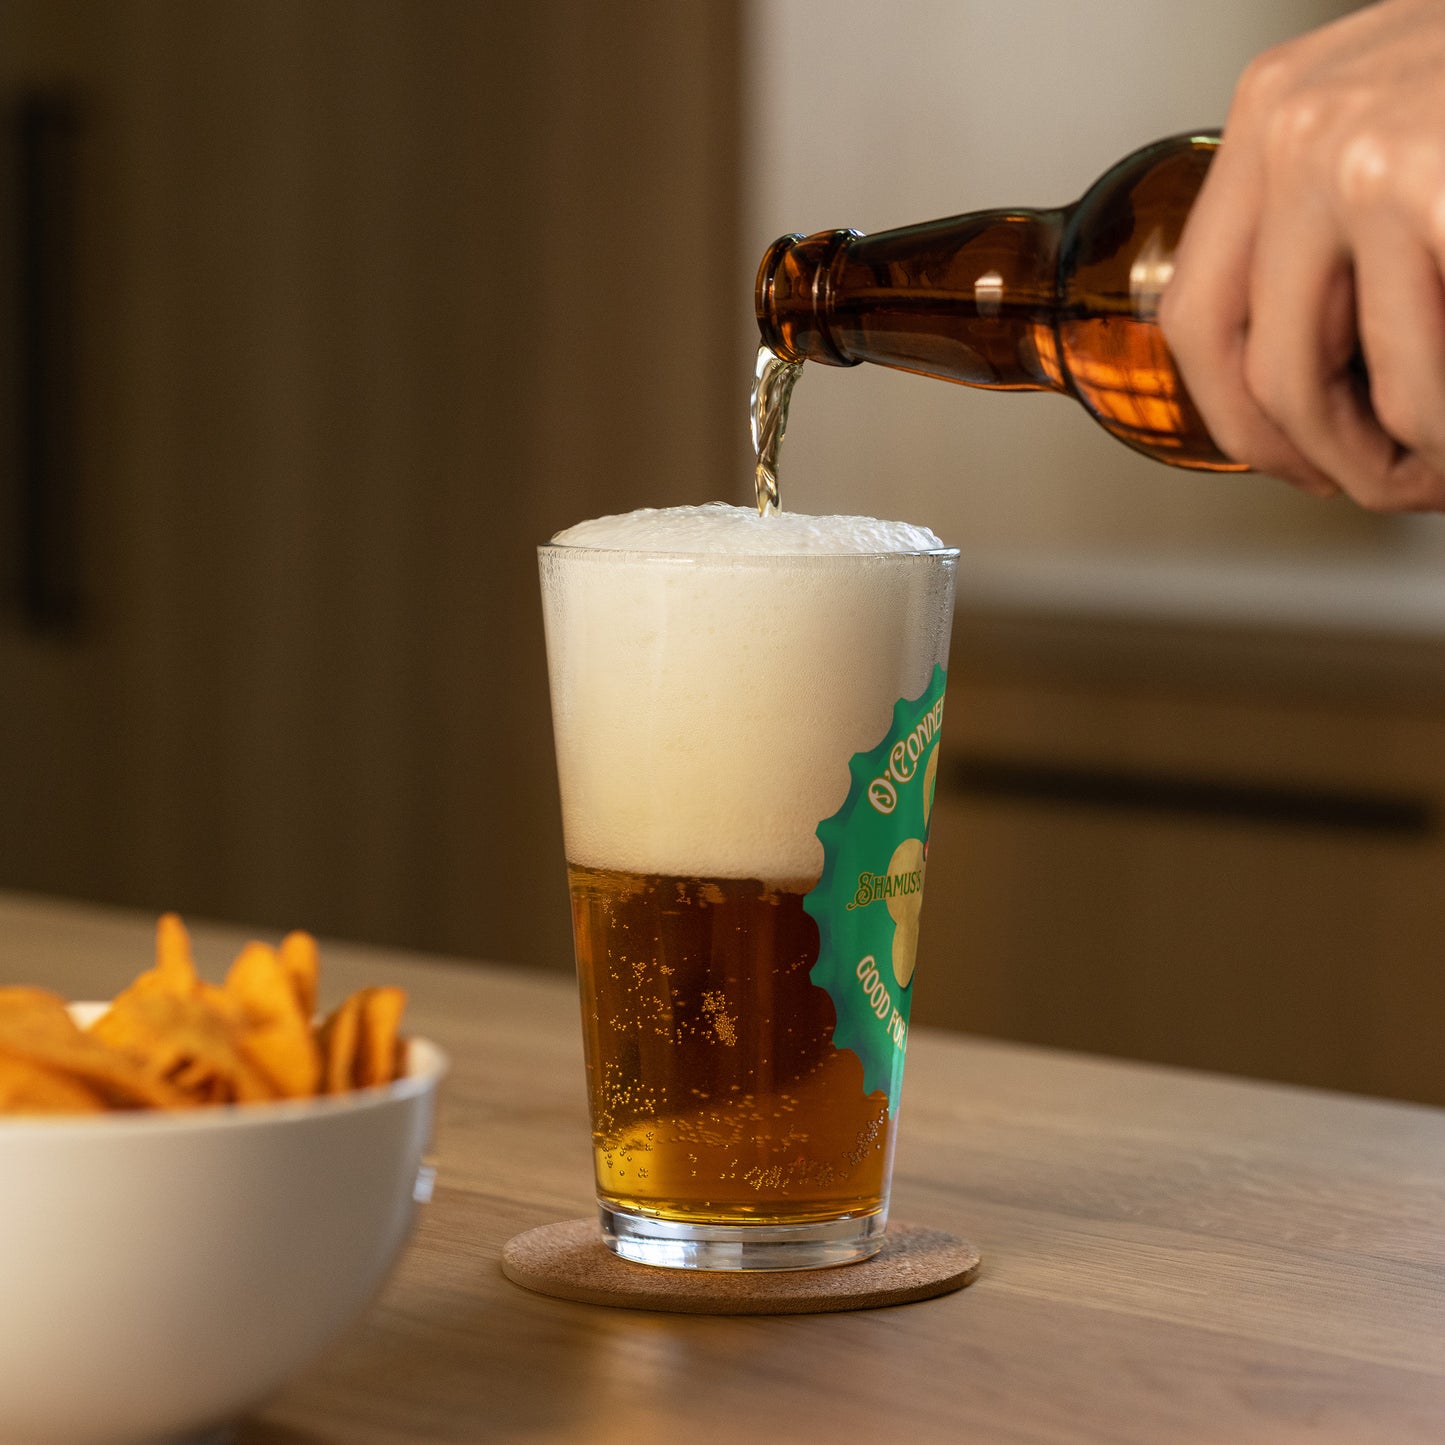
27	1088
184	1039
302	963
275	1032
36	1028
340	1043
379	1057
361	1043
172	1040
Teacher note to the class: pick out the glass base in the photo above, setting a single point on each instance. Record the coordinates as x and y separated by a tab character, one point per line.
664	1242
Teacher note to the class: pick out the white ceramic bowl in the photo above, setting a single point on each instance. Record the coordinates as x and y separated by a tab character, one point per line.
161	1274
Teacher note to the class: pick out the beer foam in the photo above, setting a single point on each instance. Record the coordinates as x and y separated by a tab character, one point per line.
710	690
717	529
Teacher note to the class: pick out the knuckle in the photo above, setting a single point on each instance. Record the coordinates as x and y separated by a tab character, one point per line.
1229	430
1396	482
1427	496
1279	461
1397	408
1366	168
1268	385
1294	125
1245	441
1409	488
1264	79
1374	494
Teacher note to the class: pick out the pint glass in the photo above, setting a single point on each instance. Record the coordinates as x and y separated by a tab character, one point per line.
747	740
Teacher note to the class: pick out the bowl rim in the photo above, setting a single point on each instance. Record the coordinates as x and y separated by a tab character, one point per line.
427	1064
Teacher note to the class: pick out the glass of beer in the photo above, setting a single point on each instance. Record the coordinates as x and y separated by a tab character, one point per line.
746	712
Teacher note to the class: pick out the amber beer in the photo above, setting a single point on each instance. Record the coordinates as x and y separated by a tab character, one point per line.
713	673
717	1093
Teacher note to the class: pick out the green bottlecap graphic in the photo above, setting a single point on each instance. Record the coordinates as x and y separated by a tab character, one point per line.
867	902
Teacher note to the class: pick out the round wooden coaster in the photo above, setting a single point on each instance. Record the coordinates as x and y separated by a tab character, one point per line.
569	1261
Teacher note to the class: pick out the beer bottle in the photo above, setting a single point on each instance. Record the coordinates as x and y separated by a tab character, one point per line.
1057	300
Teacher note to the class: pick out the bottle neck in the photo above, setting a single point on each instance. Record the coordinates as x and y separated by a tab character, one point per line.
969	299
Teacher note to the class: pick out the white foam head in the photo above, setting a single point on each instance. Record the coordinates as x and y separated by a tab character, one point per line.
714	672
717	529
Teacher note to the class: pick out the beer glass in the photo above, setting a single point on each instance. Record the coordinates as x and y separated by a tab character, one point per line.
746	746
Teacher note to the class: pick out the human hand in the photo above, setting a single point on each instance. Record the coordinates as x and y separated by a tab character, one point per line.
1318	238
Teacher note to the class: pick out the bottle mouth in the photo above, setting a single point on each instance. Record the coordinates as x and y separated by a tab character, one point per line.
765	298
793	297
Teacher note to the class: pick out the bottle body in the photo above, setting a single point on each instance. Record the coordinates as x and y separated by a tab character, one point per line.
1058	300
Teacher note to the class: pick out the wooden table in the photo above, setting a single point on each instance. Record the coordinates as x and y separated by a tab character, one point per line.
1168	1257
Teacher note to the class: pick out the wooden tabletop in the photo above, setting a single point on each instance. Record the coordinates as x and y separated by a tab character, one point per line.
1168	1257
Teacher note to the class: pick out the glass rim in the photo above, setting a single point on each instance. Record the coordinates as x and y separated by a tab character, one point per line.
912	554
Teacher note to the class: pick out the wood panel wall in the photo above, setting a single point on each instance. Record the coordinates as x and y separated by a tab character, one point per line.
373	296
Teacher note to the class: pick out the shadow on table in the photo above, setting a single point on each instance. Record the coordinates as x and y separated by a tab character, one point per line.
454	1353
472	1358
258	1432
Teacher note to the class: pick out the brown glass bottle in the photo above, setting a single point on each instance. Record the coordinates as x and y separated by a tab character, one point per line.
1061	300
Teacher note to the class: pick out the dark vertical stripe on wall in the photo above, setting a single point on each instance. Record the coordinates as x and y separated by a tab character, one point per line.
45	562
